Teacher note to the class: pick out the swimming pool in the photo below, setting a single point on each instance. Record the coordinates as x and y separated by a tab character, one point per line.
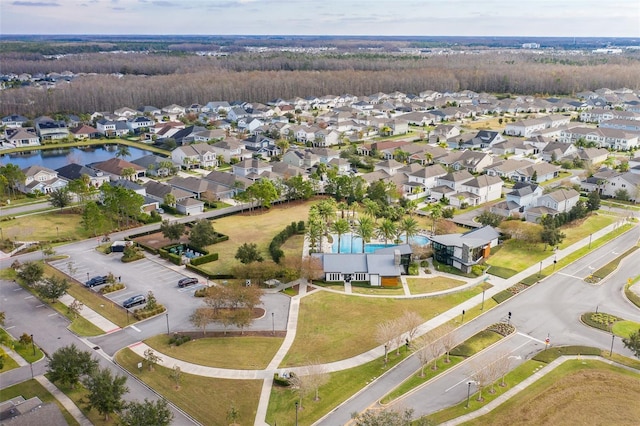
350	243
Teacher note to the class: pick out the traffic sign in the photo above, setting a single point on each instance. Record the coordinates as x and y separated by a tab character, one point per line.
546	341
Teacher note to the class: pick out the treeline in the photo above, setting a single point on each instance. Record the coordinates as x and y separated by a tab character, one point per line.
186	80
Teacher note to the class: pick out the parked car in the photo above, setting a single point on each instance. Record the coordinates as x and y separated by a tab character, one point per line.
186	282
98	280
134	301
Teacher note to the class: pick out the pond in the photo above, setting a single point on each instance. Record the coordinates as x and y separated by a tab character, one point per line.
56	158
350	243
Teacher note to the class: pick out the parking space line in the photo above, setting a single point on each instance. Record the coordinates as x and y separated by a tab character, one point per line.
135	328
52	315
28	297
40	306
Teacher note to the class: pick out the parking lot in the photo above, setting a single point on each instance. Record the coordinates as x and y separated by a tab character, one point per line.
156	275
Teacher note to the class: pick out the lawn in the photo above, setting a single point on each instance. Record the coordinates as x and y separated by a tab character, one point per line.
625	328
577	392
516	255
244	353
429	285
341	386
207	399
54	225
257	227
333	326
32	388
9	363
380	291
29	352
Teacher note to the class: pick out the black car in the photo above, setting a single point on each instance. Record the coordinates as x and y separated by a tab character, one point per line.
99	280
185	282
134	301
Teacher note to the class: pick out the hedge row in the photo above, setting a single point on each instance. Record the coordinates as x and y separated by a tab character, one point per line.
141	314
173	258
502	296
211	257
207	274
275	251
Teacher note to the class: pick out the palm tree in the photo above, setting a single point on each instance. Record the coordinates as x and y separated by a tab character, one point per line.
123	151
371	208
365	230
436	213
326	210
409	227
387	230
340	227
128	173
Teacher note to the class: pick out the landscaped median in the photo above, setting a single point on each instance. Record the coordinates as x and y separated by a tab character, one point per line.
610	323
441	364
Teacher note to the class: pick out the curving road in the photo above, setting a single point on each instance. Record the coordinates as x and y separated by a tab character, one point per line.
550	309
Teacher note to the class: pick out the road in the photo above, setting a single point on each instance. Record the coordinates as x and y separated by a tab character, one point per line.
27	314
550	309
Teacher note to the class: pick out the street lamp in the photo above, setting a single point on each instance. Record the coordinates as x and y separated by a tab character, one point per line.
590	235
296	413
167	316
87	276
33	345
540	271
613	337
273	324
468	393
462	321
57	232
482	307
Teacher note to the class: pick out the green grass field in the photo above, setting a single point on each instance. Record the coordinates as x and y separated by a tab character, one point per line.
248	353
430	285
207	399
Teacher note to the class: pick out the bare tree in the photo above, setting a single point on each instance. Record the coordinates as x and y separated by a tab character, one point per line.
447	340
481	375
502	366
411	321
385	332
428	350
309	380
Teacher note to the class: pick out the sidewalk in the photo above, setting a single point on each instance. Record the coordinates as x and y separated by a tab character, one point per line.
92	316
64	400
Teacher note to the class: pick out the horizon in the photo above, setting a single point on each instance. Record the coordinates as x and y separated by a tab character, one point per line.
346	18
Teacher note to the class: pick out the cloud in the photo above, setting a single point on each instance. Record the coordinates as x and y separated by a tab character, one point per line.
163	3
36	3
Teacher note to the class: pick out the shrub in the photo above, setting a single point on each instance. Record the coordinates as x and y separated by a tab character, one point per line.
141	314
178	339
414	268
111	288
502	296
600	320
281	381
478	270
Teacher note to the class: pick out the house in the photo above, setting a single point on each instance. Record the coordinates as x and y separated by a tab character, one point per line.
591	156
251	169
538	172
233	184
389	166
529	127
187	135
377	269
84	131
387	148
138	124
22	137
602	137
559	201
158	191
156	165
40	179
149	110
260	145
201	188
174	111
473	161
74	171
112	128
13	121
426	178
628	181
479	190
117	168
199	155
521	197
125	112
52	129
230	149
556	151
463	251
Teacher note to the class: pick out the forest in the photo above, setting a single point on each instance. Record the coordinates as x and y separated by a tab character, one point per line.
111	80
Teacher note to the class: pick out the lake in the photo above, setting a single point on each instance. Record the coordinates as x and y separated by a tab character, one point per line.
56	158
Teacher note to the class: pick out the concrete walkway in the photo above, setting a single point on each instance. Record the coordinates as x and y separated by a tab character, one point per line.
14	356
92	316
64	400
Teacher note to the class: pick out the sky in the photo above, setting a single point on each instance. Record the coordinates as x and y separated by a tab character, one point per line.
570	18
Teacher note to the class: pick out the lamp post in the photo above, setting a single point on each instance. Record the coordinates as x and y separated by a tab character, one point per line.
296	413
167	316
482	307
57	232
468	393
33	345
590	235
273	324
462	320
613	337
87	276
540	271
